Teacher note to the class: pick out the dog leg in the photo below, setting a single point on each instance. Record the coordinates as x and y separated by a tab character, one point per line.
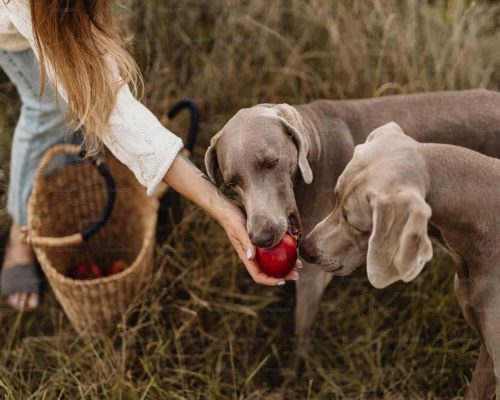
309	290
488	373
313	282
482	384
481	311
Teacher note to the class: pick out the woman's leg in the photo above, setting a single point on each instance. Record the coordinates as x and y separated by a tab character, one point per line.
41	125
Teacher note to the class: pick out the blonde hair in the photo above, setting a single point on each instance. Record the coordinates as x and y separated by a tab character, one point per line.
75	37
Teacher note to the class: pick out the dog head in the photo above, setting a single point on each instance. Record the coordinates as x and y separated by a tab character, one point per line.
260	152
381	215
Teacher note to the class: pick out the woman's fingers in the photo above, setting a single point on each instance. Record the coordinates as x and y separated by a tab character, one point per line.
247	245
292	276
256	273
264	279
253	269
238	235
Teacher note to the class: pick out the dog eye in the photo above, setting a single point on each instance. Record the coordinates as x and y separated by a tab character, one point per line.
230	184
271	164
344	215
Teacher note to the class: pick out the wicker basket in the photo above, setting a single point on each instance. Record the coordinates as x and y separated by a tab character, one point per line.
69	200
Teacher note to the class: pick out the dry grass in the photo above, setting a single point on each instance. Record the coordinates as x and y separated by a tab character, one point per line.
202	329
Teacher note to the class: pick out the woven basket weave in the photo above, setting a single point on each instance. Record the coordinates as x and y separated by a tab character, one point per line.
65	202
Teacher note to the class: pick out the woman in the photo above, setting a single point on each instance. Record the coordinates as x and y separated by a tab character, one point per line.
72	49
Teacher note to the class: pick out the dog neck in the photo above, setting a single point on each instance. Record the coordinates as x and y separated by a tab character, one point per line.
330	143
463	195
330	149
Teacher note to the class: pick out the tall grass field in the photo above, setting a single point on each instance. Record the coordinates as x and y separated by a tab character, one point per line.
201	328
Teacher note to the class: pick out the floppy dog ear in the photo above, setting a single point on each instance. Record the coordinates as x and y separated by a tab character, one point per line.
211	163
399	246
292	121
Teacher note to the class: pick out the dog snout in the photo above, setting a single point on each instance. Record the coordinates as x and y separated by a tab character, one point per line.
308	251
263	235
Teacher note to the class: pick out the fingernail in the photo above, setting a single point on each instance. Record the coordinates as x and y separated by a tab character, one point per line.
249	254
300	265
295	277
280	283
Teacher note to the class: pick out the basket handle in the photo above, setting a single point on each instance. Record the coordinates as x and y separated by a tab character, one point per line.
194	121
194	128
88	232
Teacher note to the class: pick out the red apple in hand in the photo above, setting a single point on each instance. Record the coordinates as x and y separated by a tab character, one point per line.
278	261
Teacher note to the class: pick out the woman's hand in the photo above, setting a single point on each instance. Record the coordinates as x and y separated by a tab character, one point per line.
234	223
189	181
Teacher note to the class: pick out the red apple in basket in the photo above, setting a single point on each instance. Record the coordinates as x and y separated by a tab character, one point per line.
84	271
80	271
278	261
95	272
116	267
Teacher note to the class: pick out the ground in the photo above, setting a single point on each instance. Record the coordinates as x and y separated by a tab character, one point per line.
201	328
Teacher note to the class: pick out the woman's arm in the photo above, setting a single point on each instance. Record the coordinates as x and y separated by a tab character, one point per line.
188	180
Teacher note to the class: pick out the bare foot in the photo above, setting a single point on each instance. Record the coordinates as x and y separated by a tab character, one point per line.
19	253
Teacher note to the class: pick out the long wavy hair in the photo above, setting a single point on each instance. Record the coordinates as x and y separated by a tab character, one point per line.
75	37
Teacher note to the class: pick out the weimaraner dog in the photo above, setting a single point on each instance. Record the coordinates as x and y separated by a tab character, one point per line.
393	195
283	161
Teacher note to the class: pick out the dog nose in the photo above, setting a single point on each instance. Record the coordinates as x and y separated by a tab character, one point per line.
308	252
263	237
